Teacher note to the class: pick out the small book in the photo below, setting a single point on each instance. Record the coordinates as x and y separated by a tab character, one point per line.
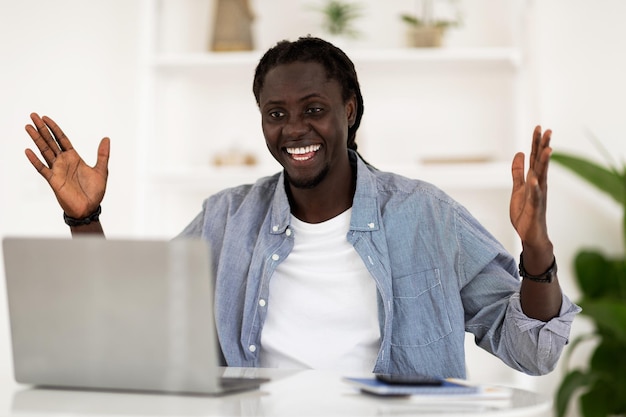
450	389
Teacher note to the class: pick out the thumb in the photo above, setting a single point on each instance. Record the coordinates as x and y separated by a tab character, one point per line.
102	162
517	170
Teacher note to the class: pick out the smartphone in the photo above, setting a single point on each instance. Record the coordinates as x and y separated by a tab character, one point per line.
412	379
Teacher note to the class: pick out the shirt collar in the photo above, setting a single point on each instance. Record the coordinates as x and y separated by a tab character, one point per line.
364	205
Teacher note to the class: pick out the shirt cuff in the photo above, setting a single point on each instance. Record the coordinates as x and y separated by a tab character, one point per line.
559	325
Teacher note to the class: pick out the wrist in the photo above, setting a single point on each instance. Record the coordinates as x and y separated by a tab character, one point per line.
73	222
538	257
546	276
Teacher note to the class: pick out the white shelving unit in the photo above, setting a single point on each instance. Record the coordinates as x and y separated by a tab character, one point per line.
451	116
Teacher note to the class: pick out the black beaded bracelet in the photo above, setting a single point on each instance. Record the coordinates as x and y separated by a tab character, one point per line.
546	277
93	217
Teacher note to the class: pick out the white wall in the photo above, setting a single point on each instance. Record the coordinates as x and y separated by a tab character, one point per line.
77	61
579	66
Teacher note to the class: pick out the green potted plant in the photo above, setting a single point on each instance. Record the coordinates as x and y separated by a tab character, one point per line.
339	17
600	386
426	29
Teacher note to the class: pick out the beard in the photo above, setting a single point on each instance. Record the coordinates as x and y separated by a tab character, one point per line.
308	183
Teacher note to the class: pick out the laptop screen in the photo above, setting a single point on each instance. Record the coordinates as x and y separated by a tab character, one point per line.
115	314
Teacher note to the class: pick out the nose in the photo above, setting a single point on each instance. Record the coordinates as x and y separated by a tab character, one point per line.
295	127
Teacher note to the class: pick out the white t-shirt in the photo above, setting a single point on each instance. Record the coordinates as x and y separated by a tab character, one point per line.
322	310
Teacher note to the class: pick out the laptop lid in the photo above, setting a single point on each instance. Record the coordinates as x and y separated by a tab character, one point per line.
113	314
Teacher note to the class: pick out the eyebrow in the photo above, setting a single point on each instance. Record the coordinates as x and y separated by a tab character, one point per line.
305	98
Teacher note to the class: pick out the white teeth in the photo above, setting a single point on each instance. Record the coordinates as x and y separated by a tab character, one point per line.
303	149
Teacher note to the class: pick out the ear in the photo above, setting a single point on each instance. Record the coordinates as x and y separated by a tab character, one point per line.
351	110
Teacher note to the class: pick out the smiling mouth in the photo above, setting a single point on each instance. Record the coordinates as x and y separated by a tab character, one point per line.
303	153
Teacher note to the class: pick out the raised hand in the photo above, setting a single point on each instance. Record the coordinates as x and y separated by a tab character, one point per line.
539	300
79	188
529	196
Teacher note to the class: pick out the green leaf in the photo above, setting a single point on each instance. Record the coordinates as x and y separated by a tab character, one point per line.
599	276
572	382
616	279
591	267
573	345
602	400
608	360
609	363
339	17
594	403
609	316
608	181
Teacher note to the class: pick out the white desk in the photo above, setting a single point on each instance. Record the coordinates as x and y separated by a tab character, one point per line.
290	393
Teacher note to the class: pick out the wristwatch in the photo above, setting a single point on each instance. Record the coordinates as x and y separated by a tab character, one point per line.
546	277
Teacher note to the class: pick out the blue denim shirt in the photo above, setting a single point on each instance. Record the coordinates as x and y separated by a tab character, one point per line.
439	273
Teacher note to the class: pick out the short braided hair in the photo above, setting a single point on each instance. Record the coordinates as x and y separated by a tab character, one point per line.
310	49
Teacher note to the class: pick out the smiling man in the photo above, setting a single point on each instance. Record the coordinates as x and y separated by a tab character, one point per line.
332	264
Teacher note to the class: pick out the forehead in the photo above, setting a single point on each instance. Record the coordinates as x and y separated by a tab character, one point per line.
297	79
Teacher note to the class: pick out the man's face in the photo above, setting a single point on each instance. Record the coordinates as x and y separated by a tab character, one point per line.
305	122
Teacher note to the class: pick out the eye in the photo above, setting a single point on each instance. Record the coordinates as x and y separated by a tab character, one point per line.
313	110
276	114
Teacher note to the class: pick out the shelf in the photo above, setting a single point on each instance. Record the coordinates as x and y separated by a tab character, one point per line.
508	56
490	56
450	116
471	175
210	177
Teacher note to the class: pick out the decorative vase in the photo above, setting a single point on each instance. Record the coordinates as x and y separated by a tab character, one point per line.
424	36
232	27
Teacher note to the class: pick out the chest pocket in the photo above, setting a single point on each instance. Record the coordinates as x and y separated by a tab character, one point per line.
420	310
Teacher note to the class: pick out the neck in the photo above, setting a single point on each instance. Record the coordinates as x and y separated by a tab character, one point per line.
327	200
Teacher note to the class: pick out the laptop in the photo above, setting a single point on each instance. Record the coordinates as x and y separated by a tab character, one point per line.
115	314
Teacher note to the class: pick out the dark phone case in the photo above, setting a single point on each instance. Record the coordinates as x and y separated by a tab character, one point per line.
409	379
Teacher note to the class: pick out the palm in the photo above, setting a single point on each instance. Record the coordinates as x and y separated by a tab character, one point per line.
526	213
77	187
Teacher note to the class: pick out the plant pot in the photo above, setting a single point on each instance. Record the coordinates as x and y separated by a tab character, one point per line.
424	36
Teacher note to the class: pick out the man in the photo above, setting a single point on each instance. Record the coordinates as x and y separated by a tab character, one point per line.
334	264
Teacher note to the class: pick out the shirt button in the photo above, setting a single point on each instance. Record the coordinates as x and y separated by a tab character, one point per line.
288	232
371	225
275	257
252	348
262	302
275	228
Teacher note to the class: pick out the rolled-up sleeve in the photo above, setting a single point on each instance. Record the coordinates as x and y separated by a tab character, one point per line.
534	346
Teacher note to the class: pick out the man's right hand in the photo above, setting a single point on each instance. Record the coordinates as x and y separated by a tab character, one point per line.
79	188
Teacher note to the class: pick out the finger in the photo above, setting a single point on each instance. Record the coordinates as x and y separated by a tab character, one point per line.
44	148
44	132
102	162
534	150
39	166
517	170
62	140
541	170
546	139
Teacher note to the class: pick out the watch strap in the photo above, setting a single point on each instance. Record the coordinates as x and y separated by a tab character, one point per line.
546	277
